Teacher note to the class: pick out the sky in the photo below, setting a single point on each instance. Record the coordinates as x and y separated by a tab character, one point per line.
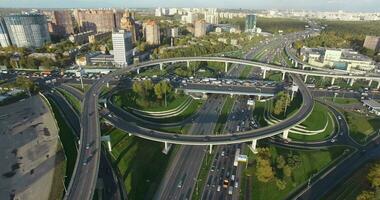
322	5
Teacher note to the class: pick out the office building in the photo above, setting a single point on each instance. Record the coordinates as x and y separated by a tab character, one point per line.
372	42
200	28
122	47
128	23
60	23
152	32
4	35
27	30
250	23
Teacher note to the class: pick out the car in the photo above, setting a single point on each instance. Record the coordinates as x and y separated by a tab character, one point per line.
339	117
333	140
230	190
222	154
88	146
179	184
225	183
218	188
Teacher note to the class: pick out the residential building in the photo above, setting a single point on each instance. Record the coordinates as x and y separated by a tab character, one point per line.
152	32
372	42
200	28
128	23
250	23
98	20
212	18
97	37
27	30
190	18
60	23
4	35
81	38
122	47
174	32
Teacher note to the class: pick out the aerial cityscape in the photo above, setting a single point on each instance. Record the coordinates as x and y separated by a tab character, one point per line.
180	100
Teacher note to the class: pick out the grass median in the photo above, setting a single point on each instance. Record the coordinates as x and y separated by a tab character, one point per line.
141	163
72	100
220	124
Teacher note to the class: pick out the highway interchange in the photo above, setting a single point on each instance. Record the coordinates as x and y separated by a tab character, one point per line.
83	183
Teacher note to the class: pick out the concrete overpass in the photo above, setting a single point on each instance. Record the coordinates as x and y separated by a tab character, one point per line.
228	89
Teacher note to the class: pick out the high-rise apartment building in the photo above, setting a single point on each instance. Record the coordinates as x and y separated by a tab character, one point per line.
250	23
122	47
4	35
152	32
128	23
212	18
200	28
27	30
98	20
60	23
372	42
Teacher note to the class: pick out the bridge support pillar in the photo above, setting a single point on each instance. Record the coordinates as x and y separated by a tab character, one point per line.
138	70
166	148
259	97
352	82
210	150
303	67
107	139
264	73
305	78
161	66
108	84
283	75
105	104
285	134
226	67
295	64
188	64
253	146
332	81
378	85
370	83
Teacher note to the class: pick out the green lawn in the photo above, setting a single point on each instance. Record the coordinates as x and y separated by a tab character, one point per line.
341	100
311	162
126	98
140	162
79	87
224	114
317	121
274	76
258	113
202	176
361	126
246	71
69	142
71	99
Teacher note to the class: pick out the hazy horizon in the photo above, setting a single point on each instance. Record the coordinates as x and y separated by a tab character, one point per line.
321	5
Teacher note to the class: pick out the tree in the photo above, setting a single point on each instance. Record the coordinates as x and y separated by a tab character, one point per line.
280	161
366	195
374	175
137	87
25	84
282	101
281	184
264	170
287	170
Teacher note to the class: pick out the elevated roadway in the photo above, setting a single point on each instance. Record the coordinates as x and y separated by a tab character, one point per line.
84	178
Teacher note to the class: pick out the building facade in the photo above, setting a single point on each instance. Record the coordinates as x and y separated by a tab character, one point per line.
81	38
27	30
60	23
4	35
152	32
98	20
250	23
372	42
122	47
200	28
128	23
98	36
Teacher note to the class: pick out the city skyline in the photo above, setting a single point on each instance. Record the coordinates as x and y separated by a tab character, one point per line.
323	5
